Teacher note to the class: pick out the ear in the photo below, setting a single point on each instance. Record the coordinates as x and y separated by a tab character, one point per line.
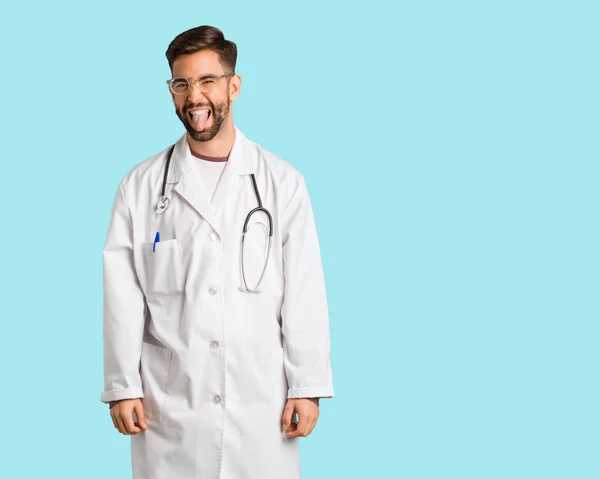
234	86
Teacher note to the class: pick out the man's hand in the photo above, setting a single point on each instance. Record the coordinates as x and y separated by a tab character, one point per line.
308	413
122	416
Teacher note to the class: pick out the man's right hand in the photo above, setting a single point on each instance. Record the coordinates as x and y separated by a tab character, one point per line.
122	416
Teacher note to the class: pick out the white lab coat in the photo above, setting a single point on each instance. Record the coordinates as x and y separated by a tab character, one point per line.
213	364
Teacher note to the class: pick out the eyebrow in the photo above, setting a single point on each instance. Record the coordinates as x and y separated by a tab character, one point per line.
204	75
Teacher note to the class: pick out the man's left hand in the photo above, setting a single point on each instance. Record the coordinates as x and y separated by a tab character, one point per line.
308	413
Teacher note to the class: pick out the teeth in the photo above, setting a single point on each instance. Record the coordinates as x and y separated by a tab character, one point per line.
197	112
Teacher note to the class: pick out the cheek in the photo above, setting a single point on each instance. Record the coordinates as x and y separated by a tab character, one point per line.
179	107
219	105
178	102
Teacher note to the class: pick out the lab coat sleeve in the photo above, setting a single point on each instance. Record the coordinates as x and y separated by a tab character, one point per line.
123	309
304	312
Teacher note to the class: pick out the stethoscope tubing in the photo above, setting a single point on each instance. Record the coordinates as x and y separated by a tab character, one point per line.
258	208
163	201
164	185
245	229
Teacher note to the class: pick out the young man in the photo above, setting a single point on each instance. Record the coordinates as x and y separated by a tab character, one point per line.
213	338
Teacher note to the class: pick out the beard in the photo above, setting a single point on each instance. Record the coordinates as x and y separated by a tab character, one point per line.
218	115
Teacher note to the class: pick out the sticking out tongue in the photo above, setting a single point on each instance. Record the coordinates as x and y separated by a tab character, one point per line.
200	120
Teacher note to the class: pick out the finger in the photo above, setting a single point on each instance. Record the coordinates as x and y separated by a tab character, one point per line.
300	426
315	420
287	415
139	411
120	425
311	425
291	431
114	421
303	423
127	418
293	424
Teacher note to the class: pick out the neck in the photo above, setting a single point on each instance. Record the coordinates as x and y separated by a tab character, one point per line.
219	146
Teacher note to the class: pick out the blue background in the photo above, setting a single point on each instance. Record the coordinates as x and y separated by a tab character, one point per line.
451	153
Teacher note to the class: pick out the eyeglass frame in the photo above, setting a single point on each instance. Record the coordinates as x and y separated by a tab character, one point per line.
196	81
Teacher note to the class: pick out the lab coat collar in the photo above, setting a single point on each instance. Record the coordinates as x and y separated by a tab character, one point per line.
242	161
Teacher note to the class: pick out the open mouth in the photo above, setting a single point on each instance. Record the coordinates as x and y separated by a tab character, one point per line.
199	118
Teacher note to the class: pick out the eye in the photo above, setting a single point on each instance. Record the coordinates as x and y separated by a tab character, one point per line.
180	84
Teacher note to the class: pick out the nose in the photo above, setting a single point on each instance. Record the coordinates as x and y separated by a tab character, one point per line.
194	95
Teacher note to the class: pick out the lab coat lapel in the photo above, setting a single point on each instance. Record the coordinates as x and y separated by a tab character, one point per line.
241	161
188	183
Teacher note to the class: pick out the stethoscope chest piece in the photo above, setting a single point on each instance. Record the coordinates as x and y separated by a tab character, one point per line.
163	204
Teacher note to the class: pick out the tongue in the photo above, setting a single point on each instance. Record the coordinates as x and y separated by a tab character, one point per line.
200	121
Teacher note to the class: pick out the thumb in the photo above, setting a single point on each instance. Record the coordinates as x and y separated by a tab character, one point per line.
287	414
139	411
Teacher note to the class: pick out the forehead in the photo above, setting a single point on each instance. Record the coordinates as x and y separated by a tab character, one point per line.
196	64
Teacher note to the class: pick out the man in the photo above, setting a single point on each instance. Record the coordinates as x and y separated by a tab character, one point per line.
203	372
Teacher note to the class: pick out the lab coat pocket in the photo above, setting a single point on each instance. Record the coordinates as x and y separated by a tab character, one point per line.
154	371
160	271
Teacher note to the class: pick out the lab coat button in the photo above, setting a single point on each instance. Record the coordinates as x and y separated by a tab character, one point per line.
212	290
214	344
217	399
213	236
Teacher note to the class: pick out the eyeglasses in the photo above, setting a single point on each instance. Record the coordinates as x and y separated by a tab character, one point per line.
206	83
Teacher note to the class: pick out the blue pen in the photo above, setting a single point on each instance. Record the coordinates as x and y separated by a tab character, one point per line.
156	240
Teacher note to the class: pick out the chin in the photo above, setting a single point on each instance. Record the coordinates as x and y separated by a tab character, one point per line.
204	135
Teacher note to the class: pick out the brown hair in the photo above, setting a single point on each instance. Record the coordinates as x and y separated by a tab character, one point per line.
204	37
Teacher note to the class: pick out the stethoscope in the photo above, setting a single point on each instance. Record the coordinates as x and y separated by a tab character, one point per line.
164	202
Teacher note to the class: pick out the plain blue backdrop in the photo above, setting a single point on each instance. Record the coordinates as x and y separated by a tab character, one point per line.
451	154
